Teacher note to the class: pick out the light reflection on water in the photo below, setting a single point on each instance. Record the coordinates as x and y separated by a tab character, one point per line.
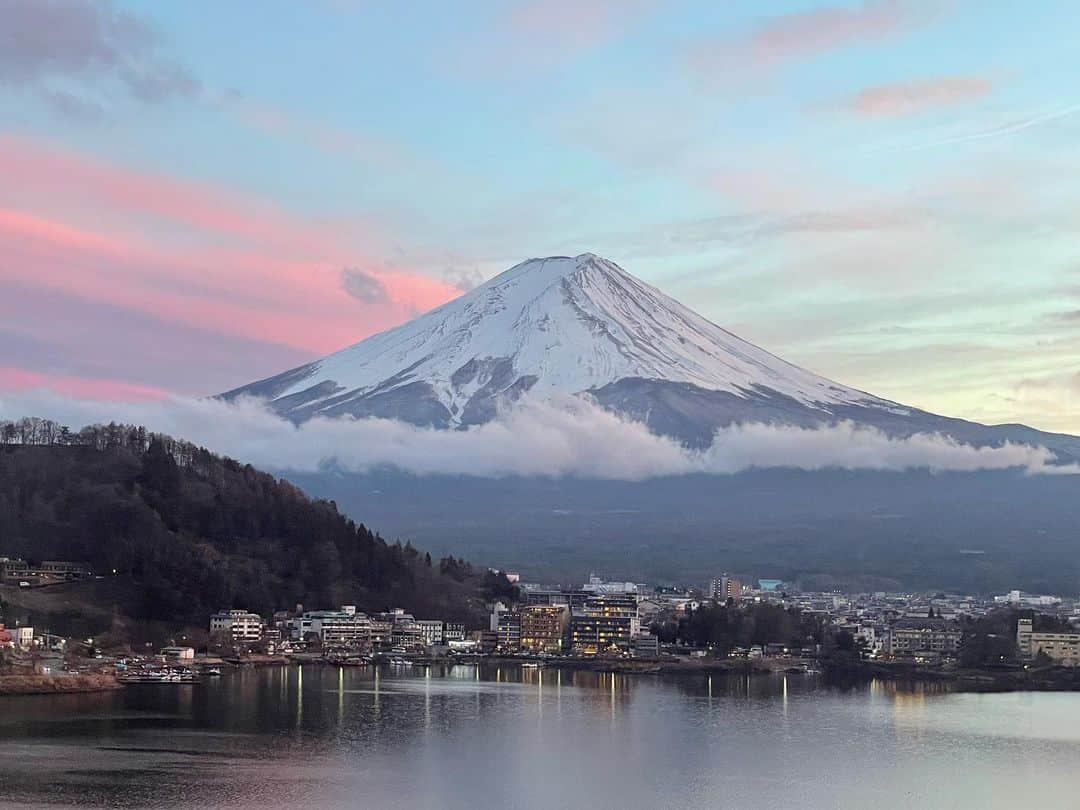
508	738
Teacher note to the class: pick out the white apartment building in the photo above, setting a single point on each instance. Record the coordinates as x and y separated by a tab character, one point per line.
1062	648
344	626
239	625
431	631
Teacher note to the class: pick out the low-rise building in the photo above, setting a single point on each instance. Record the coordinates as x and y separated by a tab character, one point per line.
911	635
488	641
1061	648
178	653
645	645
24	637
453	631
13	571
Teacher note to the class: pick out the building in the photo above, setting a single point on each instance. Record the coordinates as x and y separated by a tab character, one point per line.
431	631
908	636
597	585
543	628
62	569
488	641
453	631
13	571
645	645
178	653
380	632
1019	598
406	633
508	631
344	627
1061	648
241	626
605	625
24	637
725	587
573	600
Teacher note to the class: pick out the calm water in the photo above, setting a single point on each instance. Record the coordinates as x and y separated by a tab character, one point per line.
322	737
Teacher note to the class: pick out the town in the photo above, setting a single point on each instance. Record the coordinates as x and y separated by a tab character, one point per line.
731	622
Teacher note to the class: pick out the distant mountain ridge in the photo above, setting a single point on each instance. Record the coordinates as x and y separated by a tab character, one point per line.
584	326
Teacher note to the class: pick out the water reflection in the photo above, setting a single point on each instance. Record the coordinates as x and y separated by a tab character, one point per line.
467	736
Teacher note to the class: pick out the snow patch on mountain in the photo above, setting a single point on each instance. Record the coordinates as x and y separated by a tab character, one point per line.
557	325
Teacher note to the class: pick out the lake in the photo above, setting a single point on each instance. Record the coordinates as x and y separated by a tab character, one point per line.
470	737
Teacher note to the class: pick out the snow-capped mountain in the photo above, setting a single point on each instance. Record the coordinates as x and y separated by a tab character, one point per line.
584	326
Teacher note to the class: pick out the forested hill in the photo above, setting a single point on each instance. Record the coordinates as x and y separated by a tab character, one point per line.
193	533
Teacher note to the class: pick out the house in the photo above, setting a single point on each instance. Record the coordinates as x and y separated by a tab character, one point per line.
178	653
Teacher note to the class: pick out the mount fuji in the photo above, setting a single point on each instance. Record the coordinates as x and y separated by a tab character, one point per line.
584	326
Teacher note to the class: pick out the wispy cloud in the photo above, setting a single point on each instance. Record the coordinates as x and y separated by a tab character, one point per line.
917	95
999	131
787	38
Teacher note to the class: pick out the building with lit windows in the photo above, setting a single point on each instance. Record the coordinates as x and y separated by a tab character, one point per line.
543	628
605	625
725	587
508	631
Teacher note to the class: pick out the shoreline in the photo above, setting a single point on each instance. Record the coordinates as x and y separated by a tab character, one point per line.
65	684
1047	679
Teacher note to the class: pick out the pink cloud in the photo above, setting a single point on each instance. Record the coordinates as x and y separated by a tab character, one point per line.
254	295
789	37
193	254
911	97
13	378
52	178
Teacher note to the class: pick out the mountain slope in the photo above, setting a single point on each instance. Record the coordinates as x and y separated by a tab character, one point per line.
559	324
583	325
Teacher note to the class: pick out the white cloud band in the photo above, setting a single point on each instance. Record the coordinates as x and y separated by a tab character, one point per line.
563	438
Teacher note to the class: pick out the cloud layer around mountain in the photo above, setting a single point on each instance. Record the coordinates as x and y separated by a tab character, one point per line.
571	437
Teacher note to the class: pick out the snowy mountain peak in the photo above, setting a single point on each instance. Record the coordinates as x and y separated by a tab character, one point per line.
555	325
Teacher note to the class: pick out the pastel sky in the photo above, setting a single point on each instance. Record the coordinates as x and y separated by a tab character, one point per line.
194	195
